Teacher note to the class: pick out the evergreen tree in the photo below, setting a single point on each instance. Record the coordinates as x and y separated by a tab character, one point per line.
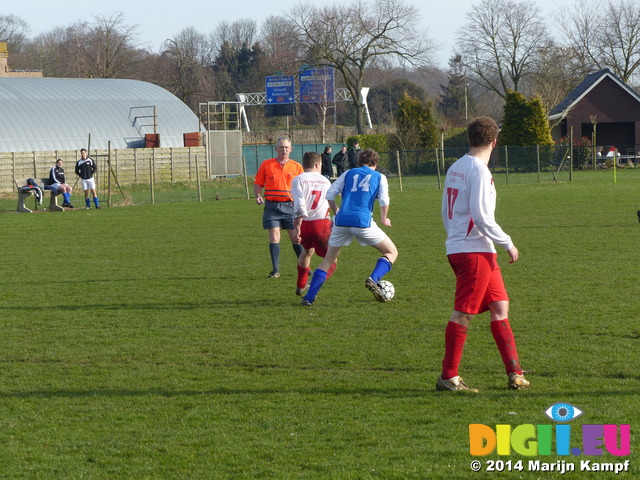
416	126
455	101
524	122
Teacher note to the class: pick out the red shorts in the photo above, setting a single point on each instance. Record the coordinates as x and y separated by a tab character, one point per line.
478	281
315	234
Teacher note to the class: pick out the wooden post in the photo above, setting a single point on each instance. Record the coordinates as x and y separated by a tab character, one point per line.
151	168
109	172
538	155
438	169
506	161
198	180
246	181
399	169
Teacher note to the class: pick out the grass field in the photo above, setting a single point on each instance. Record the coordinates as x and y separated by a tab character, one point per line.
144	342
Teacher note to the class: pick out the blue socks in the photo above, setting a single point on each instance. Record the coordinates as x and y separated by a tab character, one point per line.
88	202
383	266
67	197
319	276
95	201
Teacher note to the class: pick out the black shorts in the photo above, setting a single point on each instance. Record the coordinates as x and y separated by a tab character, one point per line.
277	215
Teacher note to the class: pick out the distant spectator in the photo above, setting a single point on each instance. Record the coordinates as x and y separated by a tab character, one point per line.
327	169
340	160
86	169
353	155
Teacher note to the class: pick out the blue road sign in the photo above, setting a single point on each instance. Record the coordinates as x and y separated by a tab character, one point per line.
317	85
280	90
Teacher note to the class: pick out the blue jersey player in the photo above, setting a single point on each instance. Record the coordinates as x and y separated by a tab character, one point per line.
359	187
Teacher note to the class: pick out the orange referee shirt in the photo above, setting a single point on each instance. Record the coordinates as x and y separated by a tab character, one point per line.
276	179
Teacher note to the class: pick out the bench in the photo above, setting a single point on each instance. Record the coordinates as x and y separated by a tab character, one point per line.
53	201
24	193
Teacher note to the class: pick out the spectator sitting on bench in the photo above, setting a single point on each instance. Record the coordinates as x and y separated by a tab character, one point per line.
58	185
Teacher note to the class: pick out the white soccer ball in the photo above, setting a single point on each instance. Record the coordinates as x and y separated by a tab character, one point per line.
388	290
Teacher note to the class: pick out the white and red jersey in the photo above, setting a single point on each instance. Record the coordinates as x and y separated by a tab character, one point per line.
309	190
468	209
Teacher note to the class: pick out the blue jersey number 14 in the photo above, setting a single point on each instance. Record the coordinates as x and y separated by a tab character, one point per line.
363	185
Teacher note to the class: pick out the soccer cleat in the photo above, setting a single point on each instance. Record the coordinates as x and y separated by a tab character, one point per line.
306	303
300	291
518	382
274	274
87	208
453	384
639	215
375	289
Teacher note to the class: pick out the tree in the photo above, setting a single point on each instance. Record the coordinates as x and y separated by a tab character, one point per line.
186	60
456	103
416	127
524	122
277	38
384	99
605	35
353	38
13	30
499	43
103	49
558	71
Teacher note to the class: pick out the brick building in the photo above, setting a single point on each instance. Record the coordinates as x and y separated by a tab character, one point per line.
603	104
4	66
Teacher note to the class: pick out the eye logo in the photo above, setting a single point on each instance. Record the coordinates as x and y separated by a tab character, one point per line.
563	412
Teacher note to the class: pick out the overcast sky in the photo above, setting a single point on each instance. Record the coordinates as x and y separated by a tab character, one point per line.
159	20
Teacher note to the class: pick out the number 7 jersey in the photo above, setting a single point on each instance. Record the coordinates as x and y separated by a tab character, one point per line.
309	190
359	188
468	209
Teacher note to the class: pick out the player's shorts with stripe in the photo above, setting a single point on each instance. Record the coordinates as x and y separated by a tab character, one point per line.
315	234
478	281
370	236
277	215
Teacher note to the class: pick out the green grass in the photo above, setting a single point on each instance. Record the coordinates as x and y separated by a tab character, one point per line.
144	342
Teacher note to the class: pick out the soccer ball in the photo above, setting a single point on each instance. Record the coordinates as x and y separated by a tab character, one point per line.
388	290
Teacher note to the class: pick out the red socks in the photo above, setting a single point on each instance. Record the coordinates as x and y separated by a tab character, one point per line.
455	337
502	334
303	275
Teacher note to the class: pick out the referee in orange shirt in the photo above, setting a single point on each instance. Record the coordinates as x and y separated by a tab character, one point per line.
275	176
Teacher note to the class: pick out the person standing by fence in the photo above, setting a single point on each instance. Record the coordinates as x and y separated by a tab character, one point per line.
86	169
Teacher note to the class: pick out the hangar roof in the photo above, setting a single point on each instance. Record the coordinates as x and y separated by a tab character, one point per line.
38	114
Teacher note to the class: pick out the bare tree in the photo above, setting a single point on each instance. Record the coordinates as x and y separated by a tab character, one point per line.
353	38
500	42
278	39
558	71
104	49
13	30
236	34
186	59
605	34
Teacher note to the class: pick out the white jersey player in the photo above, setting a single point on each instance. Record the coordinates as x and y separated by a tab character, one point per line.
312	222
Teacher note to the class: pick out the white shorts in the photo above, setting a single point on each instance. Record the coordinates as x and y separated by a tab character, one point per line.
88	184
342	236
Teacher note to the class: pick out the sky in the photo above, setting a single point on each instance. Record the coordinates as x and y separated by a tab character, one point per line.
159	20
